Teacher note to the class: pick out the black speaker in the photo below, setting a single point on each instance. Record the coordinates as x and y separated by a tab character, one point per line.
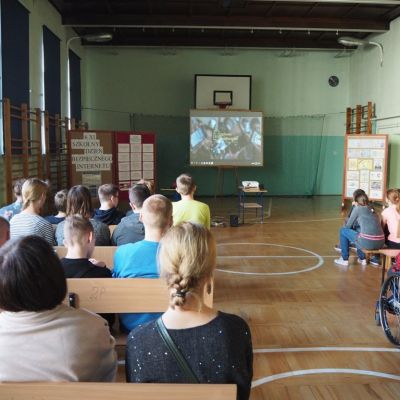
234	220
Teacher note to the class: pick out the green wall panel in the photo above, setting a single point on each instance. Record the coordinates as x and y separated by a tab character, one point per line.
293	165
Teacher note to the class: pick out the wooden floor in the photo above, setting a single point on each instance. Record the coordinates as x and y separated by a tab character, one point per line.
312	323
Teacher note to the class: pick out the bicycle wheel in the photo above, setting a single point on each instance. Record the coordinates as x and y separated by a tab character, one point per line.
389	309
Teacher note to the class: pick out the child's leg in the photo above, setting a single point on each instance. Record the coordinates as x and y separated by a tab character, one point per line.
347	236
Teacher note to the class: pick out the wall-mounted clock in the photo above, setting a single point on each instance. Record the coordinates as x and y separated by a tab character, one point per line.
333	81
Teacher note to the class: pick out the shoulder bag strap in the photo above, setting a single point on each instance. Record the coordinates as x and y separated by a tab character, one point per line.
183	365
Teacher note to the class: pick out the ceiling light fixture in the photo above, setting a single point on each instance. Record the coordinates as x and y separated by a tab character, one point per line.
354	42
97	37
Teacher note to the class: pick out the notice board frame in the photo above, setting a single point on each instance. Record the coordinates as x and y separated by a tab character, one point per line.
364	158
99	173
146	138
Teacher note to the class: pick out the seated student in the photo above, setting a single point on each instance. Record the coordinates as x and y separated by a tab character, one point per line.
370	235
131	229
42	339
29	221
391	218
215	345
108	212
139	260
356	227
79	240
189	209
79	201
4	230
60	204
14	208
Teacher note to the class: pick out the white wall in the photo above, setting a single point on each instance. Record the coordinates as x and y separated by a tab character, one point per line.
43	13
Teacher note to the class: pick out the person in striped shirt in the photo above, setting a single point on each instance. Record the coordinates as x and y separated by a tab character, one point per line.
28	221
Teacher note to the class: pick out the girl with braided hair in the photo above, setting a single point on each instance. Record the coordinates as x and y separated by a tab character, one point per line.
215	346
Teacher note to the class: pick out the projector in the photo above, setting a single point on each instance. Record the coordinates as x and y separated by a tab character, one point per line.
250	185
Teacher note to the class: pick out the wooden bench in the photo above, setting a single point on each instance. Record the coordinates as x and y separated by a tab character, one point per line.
117	391
101	253
388	254
125	295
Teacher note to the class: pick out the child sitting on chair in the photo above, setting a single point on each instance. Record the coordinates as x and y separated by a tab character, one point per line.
108	213
369	237
356	227
60	204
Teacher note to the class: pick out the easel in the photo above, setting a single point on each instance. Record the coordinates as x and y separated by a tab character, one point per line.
219	186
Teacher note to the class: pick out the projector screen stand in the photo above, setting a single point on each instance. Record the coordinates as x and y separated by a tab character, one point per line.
219	185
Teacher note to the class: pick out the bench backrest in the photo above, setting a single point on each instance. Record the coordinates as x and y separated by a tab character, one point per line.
120	391
111	295
101	253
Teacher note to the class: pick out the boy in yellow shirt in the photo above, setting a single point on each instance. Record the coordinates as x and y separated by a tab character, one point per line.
189	209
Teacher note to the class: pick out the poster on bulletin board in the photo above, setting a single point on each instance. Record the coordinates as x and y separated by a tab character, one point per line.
91	158
135	154
365	166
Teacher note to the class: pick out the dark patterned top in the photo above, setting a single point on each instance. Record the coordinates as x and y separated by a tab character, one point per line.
217	352
101	232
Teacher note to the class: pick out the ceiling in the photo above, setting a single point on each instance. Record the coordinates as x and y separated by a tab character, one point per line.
280	24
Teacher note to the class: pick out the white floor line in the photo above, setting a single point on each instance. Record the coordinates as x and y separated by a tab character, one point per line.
241	257
314	349
302	372
319	263
304	221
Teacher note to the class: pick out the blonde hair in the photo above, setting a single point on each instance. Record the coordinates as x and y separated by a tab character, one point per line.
157	212
185	184
187	257
75	227
393	196
32	191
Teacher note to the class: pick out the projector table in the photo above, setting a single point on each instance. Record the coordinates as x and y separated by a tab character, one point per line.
255	194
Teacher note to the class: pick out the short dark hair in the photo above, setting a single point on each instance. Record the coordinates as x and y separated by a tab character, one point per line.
107	190
60	200
79	201
138	193
31	276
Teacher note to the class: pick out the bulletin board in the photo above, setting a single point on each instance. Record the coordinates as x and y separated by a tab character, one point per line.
91	158
135	154
365	165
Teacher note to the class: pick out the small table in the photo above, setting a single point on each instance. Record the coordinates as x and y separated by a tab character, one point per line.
257	205
388	255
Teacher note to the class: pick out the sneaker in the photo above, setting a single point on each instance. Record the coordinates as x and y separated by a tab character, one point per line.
362	262
338	248
340	261
375	261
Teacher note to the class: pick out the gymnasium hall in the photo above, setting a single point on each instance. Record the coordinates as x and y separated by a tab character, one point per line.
279	110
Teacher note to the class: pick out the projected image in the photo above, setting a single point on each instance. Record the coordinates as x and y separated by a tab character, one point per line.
226	140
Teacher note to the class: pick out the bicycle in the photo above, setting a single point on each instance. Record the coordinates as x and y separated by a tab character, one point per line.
389	308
